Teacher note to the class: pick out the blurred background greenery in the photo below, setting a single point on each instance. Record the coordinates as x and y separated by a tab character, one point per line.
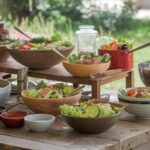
64	16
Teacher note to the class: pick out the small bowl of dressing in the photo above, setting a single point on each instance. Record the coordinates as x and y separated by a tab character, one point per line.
13	119
39	122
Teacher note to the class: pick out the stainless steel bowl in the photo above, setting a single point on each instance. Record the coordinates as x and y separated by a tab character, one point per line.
144	71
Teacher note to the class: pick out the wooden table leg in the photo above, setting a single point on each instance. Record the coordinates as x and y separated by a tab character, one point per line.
130	79
22	80
96	89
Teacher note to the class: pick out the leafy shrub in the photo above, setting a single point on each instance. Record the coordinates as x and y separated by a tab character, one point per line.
110	21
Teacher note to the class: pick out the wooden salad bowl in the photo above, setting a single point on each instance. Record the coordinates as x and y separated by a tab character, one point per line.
84	70
40	59
94	125
49	105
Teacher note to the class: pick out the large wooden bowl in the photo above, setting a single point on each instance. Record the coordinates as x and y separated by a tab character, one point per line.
83	70
93	125
4	54
49	105
39	59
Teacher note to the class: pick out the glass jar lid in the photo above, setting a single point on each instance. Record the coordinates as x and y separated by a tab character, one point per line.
86	29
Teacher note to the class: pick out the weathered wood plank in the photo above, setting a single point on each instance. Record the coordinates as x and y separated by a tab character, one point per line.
126	134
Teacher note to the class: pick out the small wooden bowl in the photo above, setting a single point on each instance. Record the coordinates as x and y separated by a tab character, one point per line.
49	105
83	70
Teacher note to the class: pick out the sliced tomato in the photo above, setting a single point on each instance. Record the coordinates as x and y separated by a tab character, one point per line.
44	91
88	61
114	45
26	46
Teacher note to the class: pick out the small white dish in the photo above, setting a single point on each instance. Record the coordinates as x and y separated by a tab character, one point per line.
39	122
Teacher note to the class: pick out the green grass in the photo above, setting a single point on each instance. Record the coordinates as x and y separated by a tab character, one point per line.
137	31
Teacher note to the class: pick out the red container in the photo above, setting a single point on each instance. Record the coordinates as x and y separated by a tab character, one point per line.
120	59
13	119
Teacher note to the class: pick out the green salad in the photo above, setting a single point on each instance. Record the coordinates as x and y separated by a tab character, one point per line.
42	90
54	42
89	110
5	42
89	58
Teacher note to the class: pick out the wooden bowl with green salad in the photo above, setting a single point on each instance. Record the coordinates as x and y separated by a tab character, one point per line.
47	98
94	116
41	52
82	65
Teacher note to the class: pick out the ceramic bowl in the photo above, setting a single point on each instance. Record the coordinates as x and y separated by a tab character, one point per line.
4	54
135	100
83	70
140	107
93	125
13	119
39	59
49	105
39	122
144	70
5	89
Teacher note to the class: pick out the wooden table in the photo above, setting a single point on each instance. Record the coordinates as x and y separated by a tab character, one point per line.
128	134
58	73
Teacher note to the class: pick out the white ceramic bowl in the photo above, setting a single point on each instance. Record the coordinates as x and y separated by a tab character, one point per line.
139	110
39	122
140	107
134	99
5	89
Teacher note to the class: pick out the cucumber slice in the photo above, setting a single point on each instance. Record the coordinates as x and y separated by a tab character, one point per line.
92	110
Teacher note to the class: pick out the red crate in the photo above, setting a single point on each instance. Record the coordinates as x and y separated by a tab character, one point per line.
120	59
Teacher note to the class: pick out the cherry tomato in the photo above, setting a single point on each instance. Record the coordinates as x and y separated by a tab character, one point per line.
114	46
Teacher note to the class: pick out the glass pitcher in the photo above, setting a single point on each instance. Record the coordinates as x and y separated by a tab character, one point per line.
86	39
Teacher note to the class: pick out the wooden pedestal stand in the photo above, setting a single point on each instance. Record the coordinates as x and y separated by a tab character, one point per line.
58	73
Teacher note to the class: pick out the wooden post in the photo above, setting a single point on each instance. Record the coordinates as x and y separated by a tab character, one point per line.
130	79
22	79
96	89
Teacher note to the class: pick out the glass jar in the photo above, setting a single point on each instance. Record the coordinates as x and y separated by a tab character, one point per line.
86	39
4	33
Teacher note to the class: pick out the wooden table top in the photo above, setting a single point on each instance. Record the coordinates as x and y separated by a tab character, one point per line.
128	133
58	73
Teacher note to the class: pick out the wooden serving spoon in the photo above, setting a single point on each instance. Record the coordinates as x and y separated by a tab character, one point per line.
75	91
96	76
20	31
55	50
139	47
10	107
